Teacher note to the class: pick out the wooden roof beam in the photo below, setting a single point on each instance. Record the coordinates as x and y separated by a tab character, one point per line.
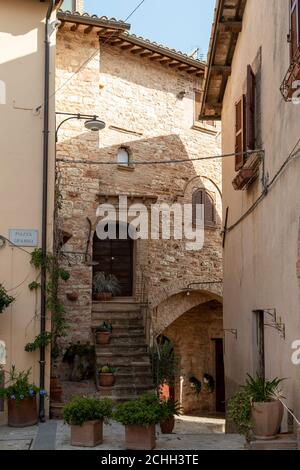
88	29
221	69
75	27
137	50
230	26
156	56
127	46
146	53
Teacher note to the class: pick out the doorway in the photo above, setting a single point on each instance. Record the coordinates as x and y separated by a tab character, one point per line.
220	379
115	257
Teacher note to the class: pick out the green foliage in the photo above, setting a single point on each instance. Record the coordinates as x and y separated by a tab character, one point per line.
144	411
164	364
78	349
105	327
42	339
239	411
262	390
82	409
108	369
107	283
54	275
19	386
195	384
255	390
34	285
5	299
169	408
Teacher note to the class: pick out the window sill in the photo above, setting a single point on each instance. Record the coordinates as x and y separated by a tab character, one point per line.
248	173
125	168
197	126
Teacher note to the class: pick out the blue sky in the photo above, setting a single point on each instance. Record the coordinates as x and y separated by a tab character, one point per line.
179	24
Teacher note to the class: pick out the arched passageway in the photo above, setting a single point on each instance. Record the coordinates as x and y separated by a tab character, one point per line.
197	337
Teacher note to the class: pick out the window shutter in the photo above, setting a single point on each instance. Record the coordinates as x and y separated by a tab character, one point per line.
209	209
197	199
294	27
239	133
198	96
250	109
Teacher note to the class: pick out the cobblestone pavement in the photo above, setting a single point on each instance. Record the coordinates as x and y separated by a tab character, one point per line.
190	433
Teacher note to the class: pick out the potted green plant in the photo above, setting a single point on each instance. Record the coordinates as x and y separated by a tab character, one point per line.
256	408
21	397
105	286
165	367
169	409
103	333
85	416
107	376
5	299
139	418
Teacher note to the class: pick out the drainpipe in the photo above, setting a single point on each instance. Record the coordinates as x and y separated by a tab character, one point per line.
45	206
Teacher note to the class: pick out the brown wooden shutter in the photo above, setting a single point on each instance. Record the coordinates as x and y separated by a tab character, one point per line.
198	96
294	27
239	133
250	110
197	199
209	209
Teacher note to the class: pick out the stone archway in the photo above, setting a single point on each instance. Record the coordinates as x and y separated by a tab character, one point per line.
193	322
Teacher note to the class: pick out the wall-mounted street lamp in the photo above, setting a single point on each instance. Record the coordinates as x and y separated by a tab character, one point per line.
92	123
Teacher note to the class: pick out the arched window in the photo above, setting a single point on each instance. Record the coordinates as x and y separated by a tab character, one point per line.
123	157
201	196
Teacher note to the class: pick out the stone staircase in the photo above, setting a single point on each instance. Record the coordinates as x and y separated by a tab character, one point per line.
127	350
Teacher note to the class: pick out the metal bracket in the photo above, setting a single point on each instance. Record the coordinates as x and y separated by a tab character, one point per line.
233	331
278	326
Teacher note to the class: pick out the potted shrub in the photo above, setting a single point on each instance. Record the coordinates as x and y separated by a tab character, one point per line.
21	398
85	416
165	367
105	286
256	408
169	409
106	376
5	299
103	333
139	418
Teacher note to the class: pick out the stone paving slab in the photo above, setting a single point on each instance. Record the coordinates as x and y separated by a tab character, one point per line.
17	438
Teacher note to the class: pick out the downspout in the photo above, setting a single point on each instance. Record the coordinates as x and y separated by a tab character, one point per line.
45	207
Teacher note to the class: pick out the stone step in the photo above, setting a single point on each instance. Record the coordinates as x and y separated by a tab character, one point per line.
122	349
282	442
141	378
119	360
127	339
115	306
119	391
118	321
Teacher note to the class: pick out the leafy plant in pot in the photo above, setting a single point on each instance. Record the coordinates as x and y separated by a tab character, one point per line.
5	299
86	416
103	333
105	286
169	409
139	418
106	376
21	397
256	408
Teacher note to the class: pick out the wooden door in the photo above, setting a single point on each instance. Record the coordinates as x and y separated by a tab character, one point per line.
220	380
115	257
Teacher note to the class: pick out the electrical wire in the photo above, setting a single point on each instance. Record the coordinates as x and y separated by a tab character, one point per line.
86	62
158	162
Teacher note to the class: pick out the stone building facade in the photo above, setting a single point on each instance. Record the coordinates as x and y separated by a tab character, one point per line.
150	110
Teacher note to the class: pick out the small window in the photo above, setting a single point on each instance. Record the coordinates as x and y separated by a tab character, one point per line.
69	5
123	157
201	196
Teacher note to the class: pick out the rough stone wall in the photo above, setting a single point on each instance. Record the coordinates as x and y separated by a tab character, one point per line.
192	335
138	100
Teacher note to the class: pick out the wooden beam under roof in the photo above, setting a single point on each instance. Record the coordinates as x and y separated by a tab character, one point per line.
230	26
221	69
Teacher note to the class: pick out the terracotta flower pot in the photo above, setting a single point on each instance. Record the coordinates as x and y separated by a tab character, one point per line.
22	413
140	437
266	419
167	425
103	337
72	296
90	434
106	380
55	390
103	296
